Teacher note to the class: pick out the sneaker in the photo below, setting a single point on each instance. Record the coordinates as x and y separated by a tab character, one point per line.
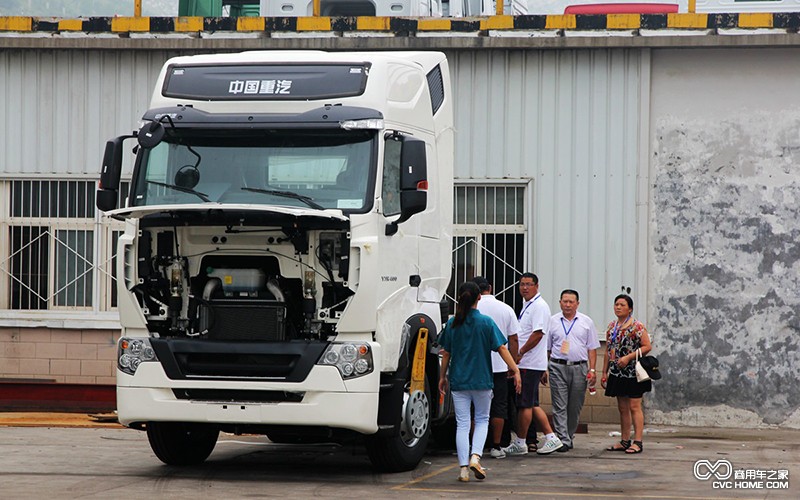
550	446
564	448
497	453
475	465
463	475
515	448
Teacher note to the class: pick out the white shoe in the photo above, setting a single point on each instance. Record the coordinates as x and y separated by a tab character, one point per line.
550	446
475	465
497	453
515	449
463	475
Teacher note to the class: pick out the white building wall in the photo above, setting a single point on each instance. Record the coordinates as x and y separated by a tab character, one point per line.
570	120
60	107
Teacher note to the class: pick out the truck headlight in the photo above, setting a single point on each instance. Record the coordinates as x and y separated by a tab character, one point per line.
352	360
131	352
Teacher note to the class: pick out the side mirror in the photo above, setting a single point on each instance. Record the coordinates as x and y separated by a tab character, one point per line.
108	190
150	135
413	181
188	176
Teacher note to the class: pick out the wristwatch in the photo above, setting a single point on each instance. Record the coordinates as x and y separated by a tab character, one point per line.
593	370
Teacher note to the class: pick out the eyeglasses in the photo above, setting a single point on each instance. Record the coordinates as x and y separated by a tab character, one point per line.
525	285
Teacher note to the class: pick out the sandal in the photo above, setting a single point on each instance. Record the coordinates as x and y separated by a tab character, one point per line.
625	445
639	448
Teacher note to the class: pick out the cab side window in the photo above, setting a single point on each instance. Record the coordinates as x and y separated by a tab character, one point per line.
391	176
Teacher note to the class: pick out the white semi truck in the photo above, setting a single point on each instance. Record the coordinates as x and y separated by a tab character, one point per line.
287	246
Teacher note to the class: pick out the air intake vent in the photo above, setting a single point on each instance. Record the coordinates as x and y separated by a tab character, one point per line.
436	86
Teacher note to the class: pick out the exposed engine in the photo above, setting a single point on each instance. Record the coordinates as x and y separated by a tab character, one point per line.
292	287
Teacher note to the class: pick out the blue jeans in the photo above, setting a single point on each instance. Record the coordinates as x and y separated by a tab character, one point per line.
462	401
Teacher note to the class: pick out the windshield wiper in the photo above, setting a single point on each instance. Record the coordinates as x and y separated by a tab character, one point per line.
200	195
287	194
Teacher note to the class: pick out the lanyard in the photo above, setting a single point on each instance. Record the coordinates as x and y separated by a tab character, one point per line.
616	329
572	323
528	305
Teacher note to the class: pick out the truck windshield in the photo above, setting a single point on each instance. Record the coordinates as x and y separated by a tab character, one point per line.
298	168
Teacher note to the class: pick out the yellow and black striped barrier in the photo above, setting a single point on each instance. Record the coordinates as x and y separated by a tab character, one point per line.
402	25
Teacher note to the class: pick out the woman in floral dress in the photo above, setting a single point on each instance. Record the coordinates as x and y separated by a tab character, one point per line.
624	337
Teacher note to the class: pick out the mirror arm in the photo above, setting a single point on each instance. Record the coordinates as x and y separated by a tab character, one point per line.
392	227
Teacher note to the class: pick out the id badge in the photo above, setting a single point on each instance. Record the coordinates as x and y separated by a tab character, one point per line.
565	347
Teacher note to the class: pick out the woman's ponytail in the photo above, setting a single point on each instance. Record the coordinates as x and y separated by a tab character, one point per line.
467	296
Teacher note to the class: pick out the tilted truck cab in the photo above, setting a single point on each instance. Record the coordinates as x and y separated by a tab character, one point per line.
287	244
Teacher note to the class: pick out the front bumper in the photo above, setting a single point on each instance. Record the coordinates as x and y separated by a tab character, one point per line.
327	400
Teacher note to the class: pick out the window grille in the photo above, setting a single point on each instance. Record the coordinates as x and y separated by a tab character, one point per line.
56	251
489	238
489	205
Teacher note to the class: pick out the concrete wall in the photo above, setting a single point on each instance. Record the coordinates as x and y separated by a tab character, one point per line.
725	235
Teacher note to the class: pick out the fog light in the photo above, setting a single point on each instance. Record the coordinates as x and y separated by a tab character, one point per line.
361	366
349	352
136	347
331	357
125	361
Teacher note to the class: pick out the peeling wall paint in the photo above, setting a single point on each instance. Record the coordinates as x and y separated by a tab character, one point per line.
725	238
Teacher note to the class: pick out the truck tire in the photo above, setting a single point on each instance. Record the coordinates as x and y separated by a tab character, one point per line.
182	443
404	450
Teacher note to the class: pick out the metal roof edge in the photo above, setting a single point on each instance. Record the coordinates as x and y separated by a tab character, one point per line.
393	33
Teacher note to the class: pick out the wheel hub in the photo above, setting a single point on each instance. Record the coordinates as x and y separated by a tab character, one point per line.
416	415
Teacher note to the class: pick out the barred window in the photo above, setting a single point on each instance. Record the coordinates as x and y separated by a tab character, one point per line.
489	205
74	262
58	253
489	238
29	263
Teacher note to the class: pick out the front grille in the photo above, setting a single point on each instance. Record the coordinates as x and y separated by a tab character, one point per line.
238	396
200	364
246	319
289	361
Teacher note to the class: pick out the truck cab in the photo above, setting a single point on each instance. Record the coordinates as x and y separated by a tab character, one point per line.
286	248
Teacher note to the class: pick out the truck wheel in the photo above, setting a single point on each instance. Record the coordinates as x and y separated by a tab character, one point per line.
181	443
404	450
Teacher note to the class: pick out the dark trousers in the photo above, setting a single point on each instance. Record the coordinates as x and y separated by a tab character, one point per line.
511	418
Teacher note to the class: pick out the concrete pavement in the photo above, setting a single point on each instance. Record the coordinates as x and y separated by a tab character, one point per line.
678	463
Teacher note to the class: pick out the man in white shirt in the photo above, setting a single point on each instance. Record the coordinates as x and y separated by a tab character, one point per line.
506	320
533	321
572	342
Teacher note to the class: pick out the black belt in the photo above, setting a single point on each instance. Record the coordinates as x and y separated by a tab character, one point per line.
565	362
